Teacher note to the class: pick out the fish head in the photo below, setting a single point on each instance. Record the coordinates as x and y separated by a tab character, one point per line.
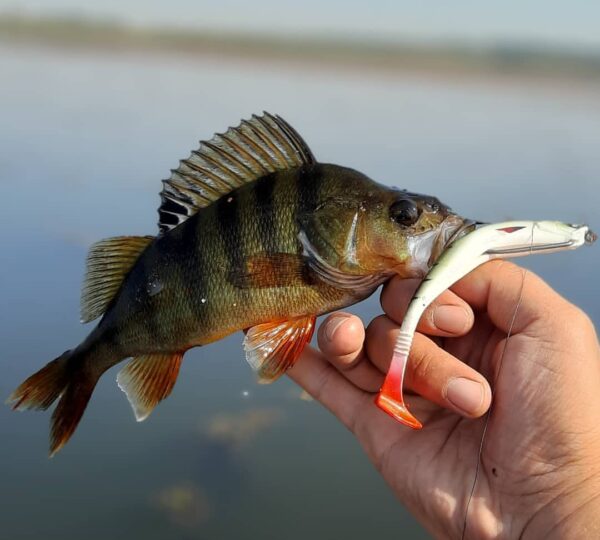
360	227
405	233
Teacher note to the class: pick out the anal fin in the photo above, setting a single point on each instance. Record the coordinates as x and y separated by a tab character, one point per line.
149	379
273	348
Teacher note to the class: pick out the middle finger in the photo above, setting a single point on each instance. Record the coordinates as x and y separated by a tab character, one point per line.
431	371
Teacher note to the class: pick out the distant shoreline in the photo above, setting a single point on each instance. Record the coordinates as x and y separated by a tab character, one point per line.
505	62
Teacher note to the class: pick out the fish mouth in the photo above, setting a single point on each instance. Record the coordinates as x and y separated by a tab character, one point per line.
452	228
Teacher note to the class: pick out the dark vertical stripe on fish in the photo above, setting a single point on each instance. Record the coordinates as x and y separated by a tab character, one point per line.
192	281
264	196
228	223
308	184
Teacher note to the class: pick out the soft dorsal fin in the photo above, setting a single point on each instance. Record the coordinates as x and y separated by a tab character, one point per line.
149	379
273	348
108	262
257	147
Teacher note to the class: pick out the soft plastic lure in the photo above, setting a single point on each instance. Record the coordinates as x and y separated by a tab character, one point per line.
497	241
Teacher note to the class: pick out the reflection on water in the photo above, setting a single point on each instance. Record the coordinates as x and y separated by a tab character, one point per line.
85	140
186	505
238	429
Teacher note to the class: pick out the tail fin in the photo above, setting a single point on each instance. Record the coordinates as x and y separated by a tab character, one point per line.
66	377
70	409
43	388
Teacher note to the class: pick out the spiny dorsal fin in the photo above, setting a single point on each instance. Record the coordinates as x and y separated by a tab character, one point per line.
257	147
149	379
273	348
108	262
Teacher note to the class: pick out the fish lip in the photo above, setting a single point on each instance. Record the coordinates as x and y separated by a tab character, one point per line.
443	241
468	226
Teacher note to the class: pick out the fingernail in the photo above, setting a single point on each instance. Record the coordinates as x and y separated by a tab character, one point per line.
451	319
465	394
333	324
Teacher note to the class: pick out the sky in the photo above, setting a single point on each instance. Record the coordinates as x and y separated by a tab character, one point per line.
573	23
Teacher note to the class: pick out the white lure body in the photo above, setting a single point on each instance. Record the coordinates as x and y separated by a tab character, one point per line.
499	240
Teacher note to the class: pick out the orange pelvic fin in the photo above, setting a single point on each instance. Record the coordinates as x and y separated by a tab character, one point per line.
390	398
147	380
273	348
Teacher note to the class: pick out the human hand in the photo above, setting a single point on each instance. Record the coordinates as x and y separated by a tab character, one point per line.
540	462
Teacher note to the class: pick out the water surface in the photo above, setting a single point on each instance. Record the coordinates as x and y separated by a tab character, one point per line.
85	141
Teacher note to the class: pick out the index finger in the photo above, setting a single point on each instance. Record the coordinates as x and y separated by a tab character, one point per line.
447	316
498	287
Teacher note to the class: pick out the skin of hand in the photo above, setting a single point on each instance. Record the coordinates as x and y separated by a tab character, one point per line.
540	464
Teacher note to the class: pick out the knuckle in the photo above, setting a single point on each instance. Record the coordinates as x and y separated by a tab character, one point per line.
348	362
580	326
565	328
508	267
582	319
505	269
421	366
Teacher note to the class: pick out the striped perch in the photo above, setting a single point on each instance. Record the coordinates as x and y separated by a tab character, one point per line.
254	235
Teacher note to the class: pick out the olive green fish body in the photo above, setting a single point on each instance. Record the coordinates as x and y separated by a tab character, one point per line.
255	235
193	285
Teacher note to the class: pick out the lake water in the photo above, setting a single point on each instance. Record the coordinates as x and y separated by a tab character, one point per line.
85	140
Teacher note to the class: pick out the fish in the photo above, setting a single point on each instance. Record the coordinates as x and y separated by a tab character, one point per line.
254	235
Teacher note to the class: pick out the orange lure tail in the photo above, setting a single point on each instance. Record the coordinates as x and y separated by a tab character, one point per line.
390	398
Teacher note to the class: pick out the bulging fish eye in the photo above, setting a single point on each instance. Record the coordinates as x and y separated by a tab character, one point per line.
404	212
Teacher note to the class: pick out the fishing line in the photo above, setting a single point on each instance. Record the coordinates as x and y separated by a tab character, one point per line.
489	412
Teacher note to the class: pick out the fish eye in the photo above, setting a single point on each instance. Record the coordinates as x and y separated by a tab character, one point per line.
404	212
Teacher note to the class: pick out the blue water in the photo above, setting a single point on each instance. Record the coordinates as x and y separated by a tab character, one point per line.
85	139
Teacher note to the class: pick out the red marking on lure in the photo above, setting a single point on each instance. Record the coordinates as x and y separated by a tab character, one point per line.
511	229
390	398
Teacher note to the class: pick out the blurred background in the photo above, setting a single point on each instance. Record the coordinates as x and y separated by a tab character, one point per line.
492	107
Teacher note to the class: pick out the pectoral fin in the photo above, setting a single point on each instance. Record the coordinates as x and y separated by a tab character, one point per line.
270	270
147	380
272	348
